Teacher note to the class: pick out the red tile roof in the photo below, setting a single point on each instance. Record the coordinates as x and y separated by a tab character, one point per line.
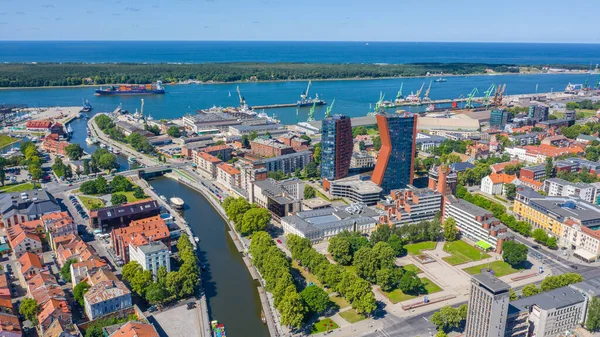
44	124
28	261
209	157
135	329
500	166
228	169
502	178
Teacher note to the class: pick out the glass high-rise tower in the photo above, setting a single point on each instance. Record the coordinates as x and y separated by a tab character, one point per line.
336	147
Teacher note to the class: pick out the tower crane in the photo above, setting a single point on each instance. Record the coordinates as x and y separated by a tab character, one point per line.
399	95
329	108
470	97
488	93
377	105
499	95
242	99
311	113
426	98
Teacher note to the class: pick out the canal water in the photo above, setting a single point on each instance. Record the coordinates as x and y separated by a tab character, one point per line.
231	293
352	97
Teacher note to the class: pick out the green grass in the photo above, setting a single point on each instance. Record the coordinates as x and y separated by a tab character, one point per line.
413	268
350	269
500	268
352	316
462	252
323	325
6	140
416	248
16	188
129	195
90	202
309	277
339	301
321	195
397	295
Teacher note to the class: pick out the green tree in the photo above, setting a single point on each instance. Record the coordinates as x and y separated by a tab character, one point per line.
549	167
141	281
316	299
450	230
161	276
235	208
74	151
539	235
107	161
174	131
156	293
118	199
292	308
130	270
245	142
174	283
310	170
340	250
530	290
377	143
510	190
361	145
309	192
359	131
410	283
65	270
514	253
29	308
220	142
365	264
252	135
447	318
381	234
397	244
317	153
552	243
441	333
120	184
138	192
554	282
512	295
80	289
593	316
389	278
384	254
255	219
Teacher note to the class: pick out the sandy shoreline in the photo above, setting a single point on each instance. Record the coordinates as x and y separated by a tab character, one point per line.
298	80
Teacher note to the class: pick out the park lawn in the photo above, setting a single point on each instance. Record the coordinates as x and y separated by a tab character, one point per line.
413	268
16	188
397	295
587	113
309	277
462	252
430	287
90	202
500	268
416	248
339	301
352	316
7	140
129	195
323	325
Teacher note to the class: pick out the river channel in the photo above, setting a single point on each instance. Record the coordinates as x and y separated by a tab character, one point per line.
231	293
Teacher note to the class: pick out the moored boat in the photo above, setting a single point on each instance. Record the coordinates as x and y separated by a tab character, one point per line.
218	329
132	89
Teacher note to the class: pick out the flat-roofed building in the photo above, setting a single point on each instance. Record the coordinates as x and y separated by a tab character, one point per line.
269	148
110	217
409	205
207	121
488	306
358	189
287	163
151	256
321	224
273	129
562	188
20	207
361	160
281	198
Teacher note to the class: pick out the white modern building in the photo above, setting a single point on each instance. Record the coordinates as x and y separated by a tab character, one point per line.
562	188
358	189
151	256
495	182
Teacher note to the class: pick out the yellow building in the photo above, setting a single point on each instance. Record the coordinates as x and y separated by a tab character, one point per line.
537	218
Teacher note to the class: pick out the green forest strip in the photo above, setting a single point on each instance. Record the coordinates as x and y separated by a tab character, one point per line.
75	74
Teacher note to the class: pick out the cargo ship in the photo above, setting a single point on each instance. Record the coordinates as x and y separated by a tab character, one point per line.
308	101
132	89
218	329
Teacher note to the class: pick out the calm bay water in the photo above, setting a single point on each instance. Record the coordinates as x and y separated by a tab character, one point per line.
309	52
352	97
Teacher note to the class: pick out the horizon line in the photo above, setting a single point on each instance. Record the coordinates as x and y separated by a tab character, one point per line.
313	41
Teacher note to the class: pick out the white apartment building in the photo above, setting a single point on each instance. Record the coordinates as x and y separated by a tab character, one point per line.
494	183
151	256
228	175
523	155
562	188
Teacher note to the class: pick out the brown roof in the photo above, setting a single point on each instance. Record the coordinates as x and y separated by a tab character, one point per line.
101	275
500	166
56	220
44	124
135	329
106	290
40	280
214	148
154	227
531	181
51	306
228	169
5	302
28	261
209	157
9	322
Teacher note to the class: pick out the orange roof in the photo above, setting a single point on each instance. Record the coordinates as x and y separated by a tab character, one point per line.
32	225
154	227
502	178
500	166
5	302
209	157
100	276
228	169
3	281
56	220
51	306
531	181
44	124
17	240
47	292
135	329
523	129
586	230
40	280
9	322
28	261
214	148
552	151
90	264
63	239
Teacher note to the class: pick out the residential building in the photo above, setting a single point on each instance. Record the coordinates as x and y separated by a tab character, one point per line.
105	297
589	288
53	145
536	172
336	147
463	166
494	183
249	173
228	175
58	224
577	165
562	188
361	160
426	142
134	329
538	112
24	240
287	163
44	287
19	207
59	329
222	152
442	179
54	310
555	123
358	189
410	205
294	140
10	326
499	168
533	184
530	138
139	232
321	224
206	162
550	313
538	154
395	165
110	217
476	223
488	306
30	264
75	249
85	269
498	118
281	198
151	256
586	139
269	148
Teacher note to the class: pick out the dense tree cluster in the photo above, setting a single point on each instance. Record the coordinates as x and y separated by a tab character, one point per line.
551	282
95	329
585	104
540	236
275	269
61	74
60	169
29	308
74	151
514	253
497	209
448	318
118	184
166	286
593	315
448	146
355	289
137	141
247	218
32	160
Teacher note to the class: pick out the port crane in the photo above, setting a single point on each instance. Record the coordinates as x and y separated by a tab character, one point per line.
311	112
470	97
329	108
377	105
499	94
426	98
488	93
305	95
242	99
399	95
418	94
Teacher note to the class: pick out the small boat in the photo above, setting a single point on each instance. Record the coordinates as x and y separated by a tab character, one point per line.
218	329
163	198
132	160
441	79
87	107
196	239
102	146
89	140
115	151
430	108
262	317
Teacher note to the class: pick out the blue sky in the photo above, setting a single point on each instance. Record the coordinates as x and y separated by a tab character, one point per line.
308	20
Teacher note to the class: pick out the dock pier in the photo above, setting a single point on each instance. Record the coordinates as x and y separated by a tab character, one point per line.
274	106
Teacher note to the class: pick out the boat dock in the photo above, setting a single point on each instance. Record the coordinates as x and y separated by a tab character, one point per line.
274	106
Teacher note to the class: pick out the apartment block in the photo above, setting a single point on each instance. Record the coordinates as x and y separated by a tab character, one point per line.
562	188
358	188
488	306
269	148
410	205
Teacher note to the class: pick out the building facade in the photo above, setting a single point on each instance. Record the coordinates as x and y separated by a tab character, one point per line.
562	188
281	198
488	306
409	205
357	189
498	118
336	147
395	165
151	256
